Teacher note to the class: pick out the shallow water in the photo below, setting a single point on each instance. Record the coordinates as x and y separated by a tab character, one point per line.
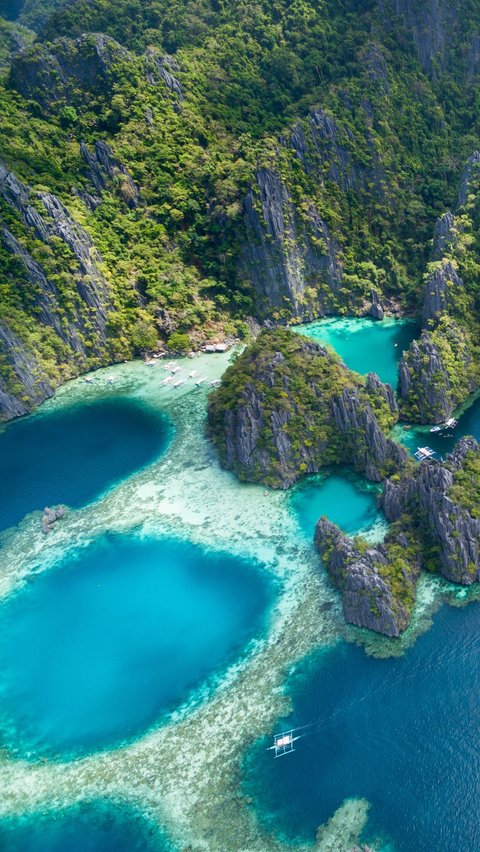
403	733
89	827
366	345
71	456
345	501
94	650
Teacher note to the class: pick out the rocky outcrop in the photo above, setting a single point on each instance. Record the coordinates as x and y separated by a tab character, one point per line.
23	383
438	373
102	167
377	310
78	322
436	292
470	172
288	407
446	517
291	262
439	370
91	285
53	75
431	24
374	595
444	236
159	69
51	516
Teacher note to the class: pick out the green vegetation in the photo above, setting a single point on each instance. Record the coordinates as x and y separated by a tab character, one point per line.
465	490
272	418
250	73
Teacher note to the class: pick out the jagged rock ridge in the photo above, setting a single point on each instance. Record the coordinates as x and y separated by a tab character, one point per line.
288	407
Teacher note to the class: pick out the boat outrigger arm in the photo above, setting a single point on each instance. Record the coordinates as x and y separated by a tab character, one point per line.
283	743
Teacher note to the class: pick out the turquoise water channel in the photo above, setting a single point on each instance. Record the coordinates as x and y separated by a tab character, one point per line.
97	649
347	502
73	455
366	345
88	827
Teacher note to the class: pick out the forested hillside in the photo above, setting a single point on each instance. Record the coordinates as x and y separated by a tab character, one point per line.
169	170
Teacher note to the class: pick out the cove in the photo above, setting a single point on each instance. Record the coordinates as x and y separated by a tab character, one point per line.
365	345
88	827
404	733
342	500
443	442
72	456
96	649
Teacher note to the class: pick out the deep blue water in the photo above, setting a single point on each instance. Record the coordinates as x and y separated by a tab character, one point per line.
89	827
72	456
403	733
342	500
96	649
365	345
443	442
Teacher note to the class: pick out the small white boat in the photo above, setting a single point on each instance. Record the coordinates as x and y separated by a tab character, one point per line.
88	380
216	383
436	429
111	380
167	380
192	374
179	383
200	382
175	370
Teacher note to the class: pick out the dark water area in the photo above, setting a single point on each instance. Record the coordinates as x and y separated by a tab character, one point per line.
403	733
444	441
88	827
72	456
96	649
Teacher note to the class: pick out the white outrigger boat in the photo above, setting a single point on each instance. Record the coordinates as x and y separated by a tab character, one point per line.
283	743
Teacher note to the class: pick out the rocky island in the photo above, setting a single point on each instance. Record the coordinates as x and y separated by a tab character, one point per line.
288	407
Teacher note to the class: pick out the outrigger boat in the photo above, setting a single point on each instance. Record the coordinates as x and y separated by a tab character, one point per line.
283	743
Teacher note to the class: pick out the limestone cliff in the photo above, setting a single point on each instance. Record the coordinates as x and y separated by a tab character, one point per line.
287	407
75	326
441	503
440	370
377	583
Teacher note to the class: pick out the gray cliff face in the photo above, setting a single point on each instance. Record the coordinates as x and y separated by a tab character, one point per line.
35	386
422	374
431	24
448	526
352	416
436	294
444	236
160	69
103	167
292	264
90	283
52	75
81	324
428	391
367	596
267	436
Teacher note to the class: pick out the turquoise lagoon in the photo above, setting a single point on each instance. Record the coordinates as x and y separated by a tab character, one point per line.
88	827
71	456
347	501
114	608
366	345
95	650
